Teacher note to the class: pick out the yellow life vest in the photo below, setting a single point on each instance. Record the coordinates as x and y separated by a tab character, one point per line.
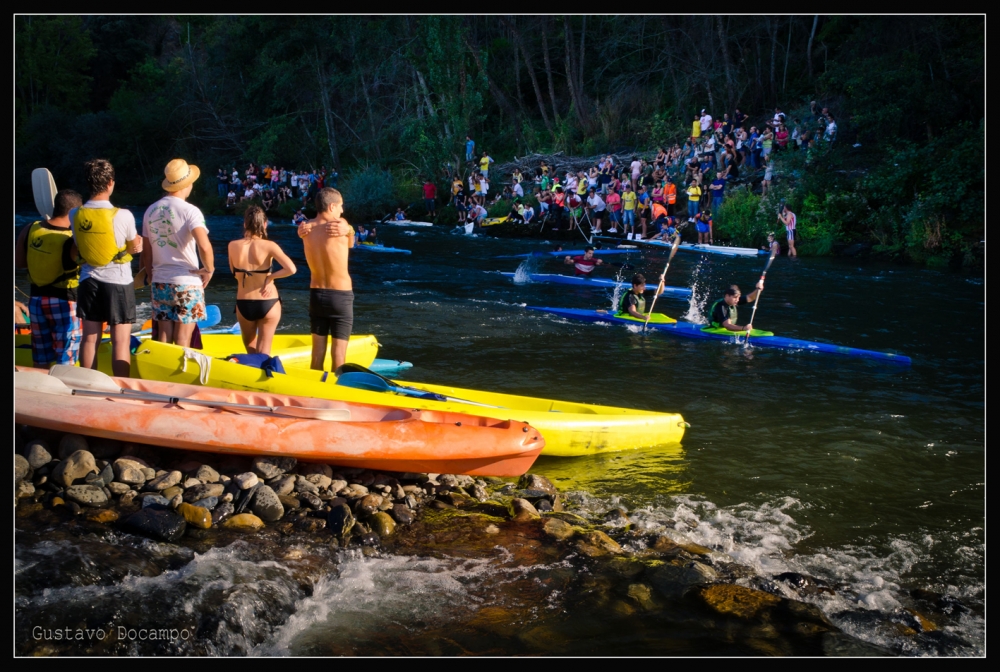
94	231
46	247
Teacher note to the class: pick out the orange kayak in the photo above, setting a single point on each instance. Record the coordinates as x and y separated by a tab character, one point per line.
250	423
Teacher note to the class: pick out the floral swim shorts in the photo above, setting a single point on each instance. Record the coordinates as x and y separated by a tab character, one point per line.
178	303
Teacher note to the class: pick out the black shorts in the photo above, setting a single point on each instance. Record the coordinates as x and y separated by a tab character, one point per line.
331	313
104	302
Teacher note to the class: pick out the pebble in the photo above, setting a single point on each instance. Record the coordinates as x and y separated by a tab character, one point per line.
156	501
206	474
369	504
402	514
118	489
336	485
222	512
283	485
23	489
266	505
102	479
57	501
190	483
74	467
479	492
167	479
492	529
21	468
271	467
358	490
208	503
302	485
321	481
340	520
87	495
71	443
37	454
596	543
558	529
311	500
173	491
128	498
102	516
129	471
290	503
195	515
314	468
202	491
523	510
149	473
310	524
155	523
536	482
176	500
382	524
242	498
244	521
247	480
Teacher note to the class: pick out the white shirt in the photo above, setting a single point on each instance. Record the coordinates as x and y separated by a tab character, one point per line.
168	227
706	122
596	202
636	167
124	228
518	190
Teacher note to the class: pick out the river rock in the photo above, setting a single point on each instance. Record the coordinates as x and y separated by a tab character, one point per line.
128	498
161	524
268	467
209	503
558	529
222	512
543	506
523	510
176	500
321	481
151	473
23	489
368	504
382	524
356	490
118	489
456	499
74	467
71	443
102	479
266	504
290	503
246	480
206	474
303	485
190	482
203	491
642	594
37	453
130	471
104	516
674	580
738	601
311	500
665	545
195	515
314	468
173	491
536	482
402	514
340	521
310	524
242	500
164	481
283	485
155	501
478	492
244	521
336	485
596	543
22	469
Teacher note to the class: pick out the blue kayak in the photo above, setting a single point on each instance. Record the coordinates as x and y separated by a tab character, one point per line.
708	249
689	330
680	292
569	253
370	247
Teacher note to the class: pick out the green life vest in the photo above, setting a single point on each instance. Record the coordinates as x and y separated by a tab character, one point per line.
49	262
94	231
640	304
733	313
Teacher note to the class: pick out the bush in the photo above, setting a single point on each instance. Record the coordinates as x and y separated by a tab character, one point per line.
369	193
743	218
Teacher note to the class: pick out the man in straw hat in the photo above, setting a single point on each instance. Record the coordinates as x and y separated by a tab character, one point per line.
106	239
175	236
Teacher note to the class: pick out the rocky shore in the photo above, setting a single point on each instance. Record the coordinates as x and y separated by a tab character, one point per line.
606	566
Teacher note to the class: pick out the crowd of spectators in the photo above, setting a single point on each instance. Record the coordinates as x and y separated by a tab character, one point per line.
270	186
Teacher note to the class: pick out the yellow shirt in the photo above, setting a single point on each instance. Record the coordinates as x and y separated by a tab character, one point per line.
484	164
628	200
696	129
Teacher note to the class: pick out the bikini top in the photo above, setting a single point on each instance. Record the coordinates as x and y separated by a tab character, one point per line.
246	273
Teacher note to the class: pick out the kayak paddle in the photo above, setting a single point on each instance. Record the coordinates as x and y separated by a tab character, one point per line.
359	377
93	383
660	287
43	187
774	253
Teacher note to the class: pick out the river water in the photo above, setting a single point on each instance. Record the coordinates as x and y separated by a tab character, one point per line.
868	475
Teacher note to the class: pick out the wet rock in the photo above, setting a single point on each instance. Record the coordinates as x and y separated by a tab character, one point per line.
75	467
21	468
40	480
314	468
402	514
128	498
176	500
164	481
340	521
246	480
674	580
321	481
266	505
104	516
804	584
616	518
311	500
642	594
440	506
411	501
536	482
244	521
71	443
558	529
203	491
87	495
37	453
155	501
523	510
23	489
130	471
596	543
161	524
290	503
410	489
271	467
173	491
242	498
665	545
206	474
102	479
738	601
57	501
382	524
222	512
368	505
209	503
195	515
543	506
283	485
456	499
310	524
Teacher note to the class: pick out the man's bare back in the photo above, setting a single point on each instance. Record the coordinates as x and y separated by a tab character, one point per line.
327	255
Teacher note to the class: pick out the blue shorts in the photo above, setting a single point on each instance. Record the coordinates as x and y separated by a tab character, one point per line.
701	227
791	234
629	217
56	331
429	204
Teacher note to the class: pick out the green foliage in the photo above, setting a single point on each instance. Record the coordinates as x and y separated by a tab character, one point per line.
743	218
52	55
369	193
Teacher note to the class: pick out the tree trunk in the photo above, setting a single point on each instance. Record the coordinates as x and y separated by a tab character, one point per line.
498	93
809	47
570	74
531	73
788	49
324	95
725	60
548	72
773	25
579	65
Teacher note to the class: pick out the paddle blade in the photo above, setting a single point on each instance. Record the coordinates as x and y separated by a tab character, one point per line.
85	379
43	187
364	381
34	381
212	317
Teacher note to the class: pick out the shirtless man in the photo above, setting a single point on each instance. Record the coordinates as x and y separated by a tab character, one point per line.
327	240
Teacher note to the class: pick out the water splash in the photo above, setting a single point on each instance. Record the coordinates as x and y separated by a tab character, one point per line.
522	275
699	298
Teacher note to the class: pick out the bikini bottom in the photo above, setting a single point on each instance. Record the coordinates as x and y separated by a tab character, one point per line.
253	310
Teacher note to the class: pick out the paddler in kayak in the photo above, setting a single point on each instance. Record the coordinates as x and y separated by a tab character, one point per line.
634	303
773	246
724	312
585	263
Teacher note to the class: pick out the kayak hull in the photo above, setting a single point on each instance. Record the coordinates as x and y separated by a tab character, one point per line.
581	281
406	222
568	253
707	249
380	248
570	429
376	437
689	330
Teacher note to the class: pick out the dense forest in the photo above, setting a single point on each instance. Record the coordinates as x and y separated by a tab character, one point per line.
389	100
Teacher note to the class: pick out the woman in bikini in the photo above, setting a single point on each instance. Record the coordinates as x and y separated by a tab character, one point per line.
251	258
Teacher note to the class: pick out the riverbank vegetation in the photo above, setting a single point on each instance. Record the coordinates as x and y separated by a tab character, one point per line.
396	96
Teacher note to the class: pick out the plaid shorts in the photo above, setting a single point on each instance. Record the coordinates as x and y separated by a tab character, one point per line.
177	303
56	331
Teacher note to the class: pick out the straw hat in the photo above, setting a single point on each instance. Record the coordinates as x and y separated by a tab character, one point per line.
179	174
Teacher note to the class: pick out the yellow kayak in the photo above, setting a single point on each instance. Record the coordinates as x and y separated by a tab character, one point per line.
361	349
570	429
